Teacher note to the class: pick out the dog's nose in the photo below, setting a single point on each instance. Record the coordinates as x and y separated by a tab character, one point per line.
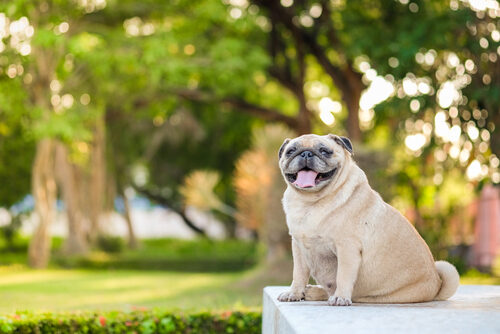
306	154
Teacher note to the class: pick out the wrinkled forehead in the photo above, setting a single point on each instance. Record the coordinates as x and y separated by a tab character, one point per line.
312	141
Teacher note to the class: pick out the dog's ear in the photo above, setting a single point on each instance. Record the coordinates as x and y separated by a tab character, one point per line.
282	148
344	141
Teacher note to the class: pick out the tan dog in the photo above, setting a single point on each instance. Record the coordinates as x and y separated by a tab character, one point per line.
356	246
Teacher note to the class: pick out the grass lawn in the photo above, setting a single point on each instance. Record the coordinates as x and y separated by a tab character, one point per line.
22	289
95	283
57	289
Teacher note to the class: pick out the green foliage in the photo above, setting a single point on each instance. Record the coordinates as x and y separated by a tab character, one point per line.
10	232
110	244
18	151
147	322
129	62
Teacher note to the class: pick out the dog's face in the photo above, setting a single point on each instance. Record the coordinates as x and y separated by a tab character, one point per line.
311	162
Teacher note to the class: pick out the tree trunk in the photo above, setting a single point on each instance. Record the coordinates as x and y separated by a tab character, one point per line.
274	230
97	187
44	193
71	179
132	240
351	99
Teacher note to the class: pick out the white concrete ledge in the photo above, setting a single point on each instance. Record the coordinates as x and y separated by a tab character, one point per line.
473	309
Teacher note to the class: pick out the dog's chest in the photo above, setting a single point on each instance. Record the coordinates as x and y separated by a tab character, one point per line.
303	222
307	229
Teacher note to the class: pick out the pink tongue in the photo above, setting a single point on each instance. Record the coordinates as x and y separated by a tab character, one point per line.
306	179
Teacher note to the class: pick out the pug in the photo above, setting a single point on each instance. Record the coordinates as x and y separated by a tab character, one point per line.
356	247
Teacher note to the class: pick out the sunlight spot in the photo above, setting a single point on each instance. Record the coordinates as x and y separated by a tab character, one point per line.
447	94
235	13
365	119
424	88
316	89
24	49
306	21
239	3
316	10
364	66
410	86
494	161
393	62
454	151
419	57
464	156
63	27
327	117
472	131
55	100
55	86
148	29
132	26
378	91
452	60
371	74
430	57
437	179
486	79
440	155
441	127
85	99
483	42
469	65
328	105
454	134
474	170
427	129
414	105
415	142
495	35
495	177
92	5
485	135
453	112
12	71
483	147
67	100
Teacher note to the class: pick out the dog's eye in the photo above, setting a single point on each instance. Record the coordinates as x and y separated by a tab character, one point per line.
325	152
290	151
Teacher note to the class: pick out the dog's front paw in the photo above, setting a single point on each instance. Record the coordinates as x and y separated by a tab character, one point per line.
291	296
339	301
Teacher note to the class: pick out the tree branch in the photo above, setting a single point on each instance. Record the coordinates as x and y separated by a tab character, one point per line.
286	18
265	113
163	201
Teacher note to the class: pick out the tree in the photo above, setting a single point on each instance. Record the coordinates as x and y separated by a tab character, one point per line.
439	59
39	56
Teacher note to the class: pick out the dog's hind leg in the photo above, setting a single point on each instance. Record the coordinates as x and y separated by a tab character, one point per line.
315	293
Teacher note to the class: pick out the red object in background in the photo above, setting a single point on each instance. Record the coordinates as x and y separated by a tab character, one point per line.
487	228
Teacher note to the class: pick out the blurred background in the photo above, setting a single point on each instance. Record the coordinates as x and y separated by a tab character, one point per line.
139	139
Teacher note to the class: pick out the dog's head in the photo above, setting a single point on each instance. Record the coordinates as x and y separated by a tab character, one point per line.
311	162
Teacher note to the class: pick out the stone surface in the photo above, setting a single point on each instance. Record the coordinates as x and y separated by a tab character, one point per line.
473	309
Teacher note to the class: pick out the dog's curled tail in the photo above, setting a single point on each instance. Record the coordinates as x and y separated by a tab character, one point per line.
450	280
315	293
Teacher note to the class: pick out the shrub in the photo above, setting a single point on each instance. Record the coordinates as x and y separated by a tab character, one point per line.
110	244
201	255
147	322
